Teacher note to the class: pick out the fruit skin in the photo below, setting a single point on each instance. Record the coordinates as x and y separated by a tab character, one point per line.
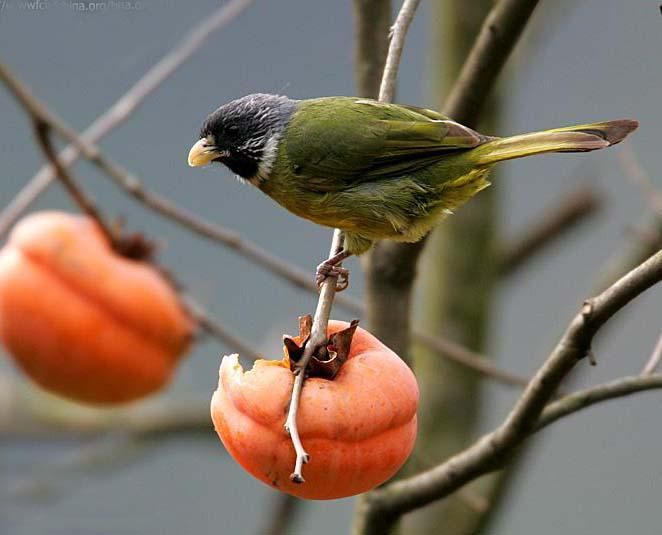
82	321
358	428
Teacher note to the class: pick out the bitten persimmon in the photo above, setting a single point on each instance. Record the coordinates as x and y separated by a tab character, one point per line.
359	428
83	321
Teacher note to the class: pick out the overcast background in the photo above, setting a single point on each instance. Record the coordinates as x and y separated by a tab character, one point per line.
596	473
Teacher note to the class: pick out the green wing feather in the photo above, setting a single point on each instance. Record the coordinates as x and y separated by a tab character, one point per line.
336	142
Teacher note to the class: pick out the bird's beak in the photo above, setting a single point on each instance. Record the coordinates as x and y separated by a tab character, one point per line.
202	153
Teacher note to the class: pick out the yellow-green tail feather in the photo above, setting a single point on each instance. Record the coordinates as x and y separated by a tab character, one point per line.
581	138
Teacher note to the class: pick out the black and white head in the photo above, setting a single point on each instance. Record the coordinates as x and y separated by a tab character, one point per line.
243	135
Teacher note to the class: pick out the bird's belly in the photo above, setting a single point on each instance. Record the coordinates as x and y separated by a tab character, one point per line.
400	209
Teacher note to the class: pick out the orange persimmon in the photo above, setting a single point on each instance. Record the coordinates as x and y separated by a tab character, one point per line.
359	428
83	321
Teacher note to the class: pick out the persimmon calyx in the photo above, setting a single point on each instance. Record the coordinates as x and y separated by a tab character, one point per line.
329	358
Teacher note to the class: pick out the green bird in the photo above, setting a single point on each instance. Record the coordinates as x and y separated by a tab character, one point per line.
374	170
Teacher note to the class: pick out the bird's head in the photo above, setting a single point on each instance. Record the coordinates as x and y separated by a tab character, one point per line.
243	135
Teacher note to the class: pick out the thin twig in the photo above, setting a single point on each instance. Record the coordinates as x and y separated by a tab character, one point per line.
42	132
574	208
229	238
318	337
577	401
382	507
654	360
396	46
470	359
125	106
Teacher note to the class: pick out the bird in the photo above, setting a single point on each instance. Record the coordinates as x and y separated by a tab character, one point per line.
373	169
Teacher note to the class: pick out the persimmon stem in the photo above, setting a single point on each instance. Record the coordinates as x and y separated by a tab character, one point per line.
318	337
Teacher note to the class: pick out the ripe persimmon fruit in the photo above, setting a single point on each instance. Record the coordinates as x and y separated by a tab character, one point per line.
359	428
83	321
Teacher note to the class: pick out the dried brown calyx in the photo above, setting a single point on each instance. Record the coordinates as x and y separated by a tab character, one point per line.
329	358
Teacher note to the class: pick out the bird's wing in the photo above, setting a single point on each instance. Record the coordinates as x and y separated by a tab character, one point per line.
336	142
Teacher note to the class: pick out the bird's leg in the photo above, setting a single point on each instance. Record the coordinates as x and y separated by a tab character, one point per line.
330	267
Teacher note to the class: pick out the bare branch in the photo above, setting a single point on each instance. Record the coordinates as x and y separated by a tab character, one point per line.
317	338
496	40
399	32
574	208
470	359
125	106
382	507
654	359
625	386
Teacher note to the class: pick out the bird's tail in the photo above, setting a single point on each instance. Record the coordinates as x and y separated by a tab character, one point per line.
580	138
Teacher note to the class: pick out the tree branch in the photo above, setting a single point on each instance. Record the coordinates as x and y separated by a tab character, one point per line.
317	339
125	106
396	46
625	386
497	38
470	359
382	507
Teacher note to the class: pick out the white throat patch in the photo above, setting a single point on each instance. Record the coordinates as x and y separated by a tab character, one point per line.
267	161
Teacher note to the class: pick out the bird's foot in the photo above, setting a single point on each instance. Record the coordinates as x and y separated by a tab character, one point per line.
330	268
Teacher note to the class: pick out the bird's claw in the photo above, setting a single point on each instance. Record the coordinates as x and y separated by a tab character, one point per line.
327	269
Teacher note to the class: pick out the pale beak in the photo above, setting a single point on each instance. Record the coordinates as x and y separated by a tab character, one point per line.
203	153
